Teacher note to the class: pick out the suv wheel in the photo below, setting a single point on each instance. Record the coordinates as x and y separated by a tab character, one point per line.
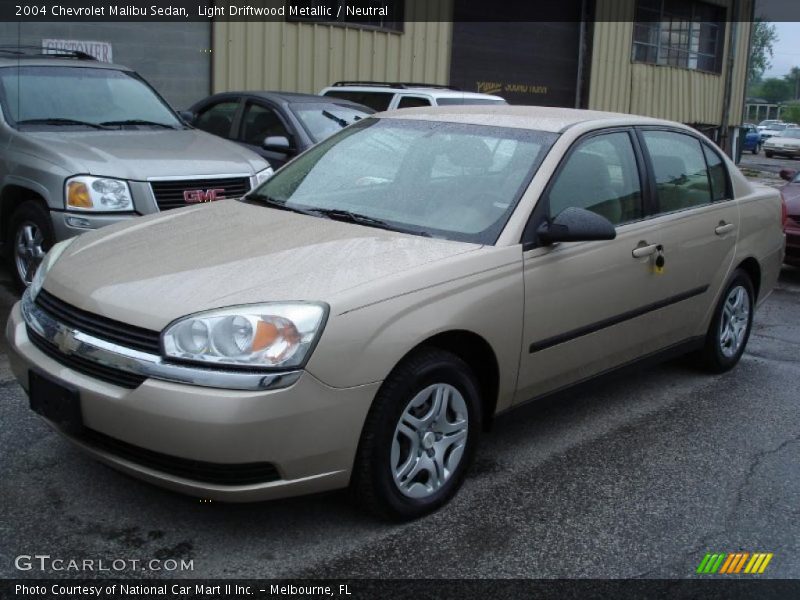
730	327
31	235
419	436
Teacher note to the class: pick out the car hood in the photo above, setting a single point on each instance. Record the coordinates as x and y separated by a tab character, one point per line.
784	141
155	269
140	154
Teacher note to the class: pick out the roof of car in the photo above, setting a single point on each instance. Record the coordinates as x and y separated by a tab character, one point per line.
406	88
291	97
45	61
543	118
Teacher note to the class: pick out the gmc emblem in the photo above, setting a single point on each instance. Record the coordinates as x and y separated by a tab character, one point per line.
194	196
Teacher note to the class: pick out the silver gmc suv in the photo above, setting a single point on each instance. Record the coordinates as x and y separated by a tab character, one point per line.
85	144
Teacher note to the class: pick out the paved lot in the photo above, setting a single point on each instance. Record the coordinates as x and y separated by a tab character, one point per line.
637	477
768	165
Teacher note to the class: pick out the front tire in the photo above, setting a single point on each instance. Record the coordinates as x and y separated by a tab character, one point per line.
419	436
730	326
768	154
30	234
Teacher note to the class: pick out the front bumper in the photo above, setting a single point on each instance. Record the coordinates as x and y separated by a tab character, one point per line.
788	151
308	431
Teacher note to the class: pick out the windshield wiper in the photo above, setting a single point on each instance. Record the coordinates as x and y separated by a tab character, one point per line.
281	205
58	121
346	216
138	122
338	120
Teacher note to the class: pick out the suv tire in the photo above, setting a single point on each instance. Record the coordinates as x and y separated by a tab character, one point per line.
30	235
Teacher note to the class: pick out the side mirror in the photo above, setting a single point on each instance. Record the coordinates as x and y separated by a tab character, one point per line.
188	116
788	174
277	143
576	225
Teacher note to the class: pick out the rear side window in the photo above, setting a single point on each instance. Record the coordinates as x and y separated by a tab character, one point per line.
412	101
682	178
718	175
217	119
375	100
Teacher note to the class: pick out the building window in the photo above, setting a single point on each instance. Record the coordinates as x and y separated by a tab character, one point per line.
374	14
679	33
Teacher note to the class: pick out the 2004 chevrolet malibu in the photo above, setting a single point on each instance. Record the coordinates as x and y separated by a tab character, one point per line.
359	319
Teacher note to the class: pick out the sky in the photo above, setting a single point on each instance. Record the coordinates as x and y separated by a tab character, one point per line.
786	49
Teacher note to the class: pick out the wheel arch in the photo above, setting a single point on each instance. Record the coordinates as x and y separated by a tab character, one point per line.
753	269
11	198
479	355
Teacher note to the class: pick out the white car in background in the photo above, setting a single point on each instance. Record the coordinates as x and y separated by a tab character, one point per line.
382	96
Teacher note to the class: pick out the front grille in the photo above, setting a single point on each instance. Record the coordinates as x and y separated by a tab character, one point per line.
87	367
170	194
116	332
217	473
795	218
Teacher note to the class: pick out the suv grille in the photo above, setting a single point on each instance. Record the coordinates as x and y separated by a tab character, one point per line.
172	194
218	473
129	336
87	367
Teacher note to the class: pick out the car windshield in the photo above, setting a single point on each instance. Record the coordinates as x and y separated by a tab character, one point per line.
776	127
791	133
47	96
461	101
324	119
449	180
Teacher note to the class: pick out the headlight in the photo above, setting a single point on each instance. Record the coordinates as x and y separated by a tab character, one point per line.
47	262
265	335
262	176
98	194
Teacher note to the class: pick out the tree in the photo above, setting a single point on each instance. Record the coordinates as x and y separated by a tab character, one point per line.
762	40
791	113
775	90
793	79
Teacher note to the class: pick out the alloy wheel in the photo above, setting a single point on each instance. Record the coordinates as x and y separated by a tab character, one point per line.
735	320
429	440
28	250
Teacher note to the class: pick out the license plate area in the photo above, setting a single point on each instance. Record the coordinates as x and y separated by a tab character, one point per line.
55	401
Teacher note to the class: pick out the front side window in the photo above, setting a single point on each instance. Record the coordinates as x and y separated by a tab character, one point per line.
49	96
679	166
679	33
448	180
600	175
218	118
260	122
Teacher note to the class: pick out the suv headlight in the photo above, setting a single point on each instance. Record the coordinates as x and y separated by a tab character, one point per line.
262	176
273	335
47	262
100	194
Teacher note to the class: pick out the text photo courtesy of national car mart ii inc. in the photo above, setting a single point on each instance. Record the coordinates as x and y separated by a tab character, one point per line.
186	10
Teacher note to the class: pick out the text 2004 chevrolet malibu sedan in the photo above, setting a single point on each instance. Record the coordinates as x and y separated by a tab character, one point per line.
361	316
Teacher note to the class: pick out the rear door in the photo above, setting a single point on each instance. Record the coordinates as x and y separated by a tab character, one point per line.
698	223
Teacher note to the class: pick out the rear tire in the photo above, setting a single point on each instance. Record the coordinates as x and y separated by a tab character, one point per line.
412	459
730	326
30	235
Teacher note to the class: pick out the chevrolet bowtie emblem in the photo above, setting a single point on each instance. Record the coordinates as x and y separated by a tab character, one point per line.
66	342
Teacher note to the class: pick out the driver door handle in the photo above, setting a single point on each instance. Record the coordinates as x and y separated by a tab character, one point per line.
724	228
643	251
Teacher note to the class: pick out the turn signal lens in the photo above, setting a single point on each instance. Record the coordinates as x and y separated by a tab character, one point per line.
78	195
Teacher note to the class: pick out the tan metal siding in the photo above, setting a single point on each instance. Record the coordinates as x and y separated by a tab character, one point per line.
617	84
306	57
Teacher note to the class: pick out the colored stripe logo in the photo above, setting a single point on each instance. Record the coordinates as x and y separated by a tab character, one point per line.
734	563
